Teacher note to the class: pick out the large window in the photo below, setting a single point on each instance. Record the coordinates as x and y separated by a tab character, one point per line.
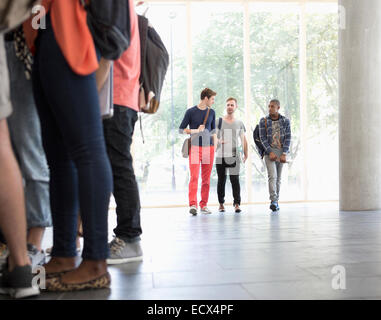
322	102
160	171
292	55
217	62
274	50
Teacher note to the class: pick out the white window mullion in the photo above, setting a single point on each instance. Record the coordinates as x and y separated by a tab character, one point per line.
247	92
189	56
303	96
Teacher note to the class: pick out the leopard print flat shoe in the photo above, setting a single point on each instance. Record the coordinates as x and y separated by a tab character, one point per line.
56	284
56	274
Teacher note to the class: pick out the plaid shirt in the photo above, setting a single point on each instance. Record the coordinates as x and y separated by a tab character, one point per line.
285	133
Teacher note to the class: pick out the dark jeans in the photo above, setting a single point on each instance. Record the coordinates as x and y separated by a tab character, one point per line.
222	168
118	132
80	171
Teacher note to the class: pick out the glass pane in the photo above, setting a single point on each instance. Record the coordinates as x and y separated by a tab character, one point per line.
217	58
322	88
156	159
274	49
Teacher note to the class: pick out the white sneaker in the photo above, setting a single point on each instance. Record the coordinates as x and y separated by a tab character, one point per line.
193	210
205	210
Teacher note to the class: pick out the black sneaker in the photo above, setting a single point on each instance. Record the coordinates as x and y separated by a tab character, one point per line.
274	206
18	282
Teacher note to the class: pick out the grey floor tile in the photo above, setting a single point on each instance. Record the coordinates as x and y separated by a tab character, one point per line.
255	255
222	292
236	276
356	288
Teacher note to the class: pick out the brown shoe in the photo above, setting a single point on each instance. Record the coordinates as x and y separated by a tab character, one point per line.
56	274
221	208
56	284
237	208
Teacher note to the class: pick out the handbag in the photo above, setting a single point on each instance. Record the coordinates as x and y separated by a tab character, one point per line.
188	142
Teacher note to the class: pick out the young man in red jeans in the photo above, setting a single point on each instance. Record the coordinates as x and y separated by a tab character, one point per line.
203	140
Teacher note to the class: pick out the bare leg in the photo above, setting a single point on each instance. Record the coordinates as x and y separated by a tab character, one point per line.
12	205
87	270
35	236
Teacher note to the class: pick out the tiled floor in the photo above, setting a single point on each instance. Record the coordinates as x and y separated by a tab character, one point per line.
252	255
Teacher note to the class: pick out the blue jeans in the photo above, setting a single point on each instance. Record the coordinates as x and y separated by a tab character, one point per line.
25	131
72	133
274	172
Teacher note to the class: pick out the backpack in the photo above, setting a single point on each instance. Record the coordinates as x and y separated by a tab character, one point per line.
154	66
12	13
257	140
109	24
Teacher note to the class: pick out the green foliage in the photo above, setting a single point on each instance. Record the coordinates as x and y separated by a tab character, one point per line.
218	64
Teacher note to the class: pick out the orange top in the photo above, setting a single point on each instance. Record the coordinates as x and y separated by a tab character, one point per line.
72	33
127	68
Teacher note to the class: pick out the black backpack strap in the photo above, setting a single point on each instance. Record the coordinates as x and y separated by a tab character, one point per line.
219	126
219	123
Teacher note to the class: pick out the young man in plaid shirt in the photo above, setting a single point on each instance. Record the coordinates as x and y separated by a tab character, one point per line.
275	135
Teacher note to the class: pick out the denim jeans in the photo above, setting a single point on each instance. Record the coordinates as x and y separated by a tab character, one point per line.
5	102
274	172
80	171
25	132
118	132
222	168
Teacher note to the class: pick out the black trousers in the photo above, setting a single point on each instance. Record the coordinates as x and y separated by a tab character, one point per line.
118	132
222	168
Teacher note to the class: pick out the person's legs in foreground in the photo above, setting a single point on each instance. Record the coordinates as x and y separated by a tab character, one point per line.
17	274
194	168
206	170
80	172
25	132
118	131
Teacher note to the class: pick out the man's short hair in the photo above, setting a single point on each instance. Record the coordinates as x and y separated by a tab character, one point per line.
276	101
232	99
207	93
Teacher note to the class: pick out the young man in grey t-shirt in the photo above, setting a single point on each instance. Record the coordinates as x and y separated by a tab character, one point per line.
229	131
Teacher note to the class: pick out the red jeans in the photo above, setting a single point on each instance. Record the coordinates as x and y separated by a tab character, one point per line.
205	157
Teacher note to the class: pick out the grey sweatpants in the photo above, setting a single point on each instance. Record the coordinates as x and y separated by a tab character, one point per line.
274	172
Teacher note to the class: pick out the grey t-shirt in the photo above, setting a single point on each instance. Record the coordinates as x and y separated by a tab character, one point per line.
230	133
276	145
